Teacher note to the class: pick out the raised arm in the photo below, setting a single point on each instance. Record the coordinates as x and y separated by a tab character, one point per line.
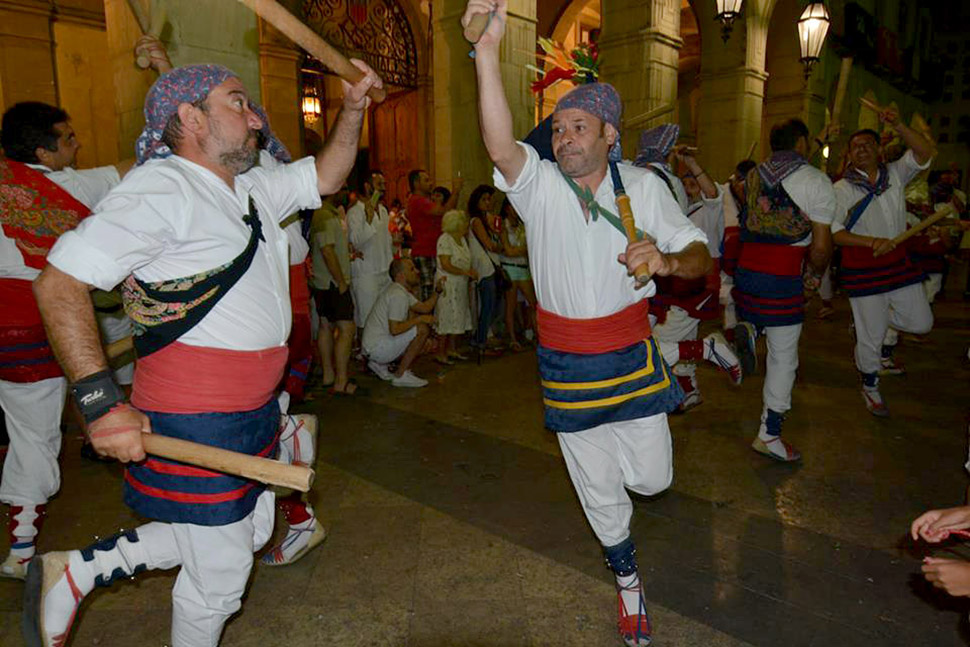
493	107
338	155
922	148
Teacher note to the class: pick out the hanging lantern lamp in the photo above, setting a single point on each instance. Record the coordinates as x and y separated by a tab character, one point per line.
727	11
813	26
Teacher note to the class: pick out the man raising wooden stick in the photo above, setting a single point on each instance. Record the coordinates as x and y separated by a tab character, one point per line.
193	233
884	287
606	387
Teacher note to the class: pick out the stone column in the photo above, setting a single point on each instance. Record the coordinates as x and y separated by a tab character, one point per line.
279	86
733	81
457	138
639	49
215	32
26	53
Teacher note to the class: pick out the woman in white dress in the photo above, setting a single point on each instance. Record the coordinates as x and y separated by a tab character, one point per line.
455	263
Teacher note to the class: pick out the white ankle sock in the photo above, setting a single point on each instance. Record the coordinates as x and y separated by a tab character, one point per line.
630	592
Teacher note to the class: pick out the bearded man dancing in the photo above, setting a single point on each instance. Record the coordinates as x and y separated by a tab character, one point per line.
884	286
196	240
607	390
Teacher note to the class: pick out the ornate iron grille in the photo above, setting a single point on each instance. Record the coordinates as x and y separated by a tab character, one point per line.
375	31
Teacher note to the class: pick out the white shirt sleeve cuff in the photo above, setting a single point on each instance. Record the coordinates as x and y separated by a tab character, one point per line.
75	256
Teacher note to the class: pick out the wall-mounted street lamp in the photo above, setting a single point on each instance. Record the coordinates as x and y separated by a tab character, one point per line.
727	11
813	25
312	108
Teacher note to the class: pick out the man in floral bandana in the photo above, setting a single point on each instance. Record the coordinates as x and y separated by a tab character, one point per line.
194	234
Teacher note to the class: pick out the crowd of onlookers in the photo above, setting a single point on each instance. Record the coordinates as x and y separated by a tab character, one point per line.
439	275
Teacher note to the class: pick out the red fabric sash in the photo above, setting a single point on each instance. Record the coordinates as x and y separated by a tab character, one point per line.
192	379
34	211
857	257
594	336
299	290
767	258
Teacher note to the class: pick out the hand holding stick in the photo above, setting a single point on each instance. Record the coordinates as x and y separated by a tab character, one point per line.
925	224
264	470
299	33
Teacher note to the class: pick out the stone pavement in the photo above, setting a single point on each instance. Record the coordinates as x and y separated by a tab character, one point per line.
452	520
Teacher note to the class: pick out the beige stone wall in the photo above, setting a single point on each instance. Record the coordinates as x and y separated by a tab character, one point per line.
197	32
26	53
458	143
86	87
639	47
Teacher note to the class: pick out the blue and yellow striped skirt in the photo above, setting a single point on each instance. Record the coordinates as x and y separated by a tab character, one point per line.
584	391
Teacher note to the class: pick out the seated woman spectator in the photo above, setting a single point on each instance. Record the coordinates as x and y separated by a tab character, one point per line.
515	262
454	262
481	244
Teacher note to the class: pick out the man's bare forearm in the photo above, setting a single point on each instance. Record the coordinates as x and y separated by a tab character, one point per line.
496	117
68	314
694	261
340	152
820	250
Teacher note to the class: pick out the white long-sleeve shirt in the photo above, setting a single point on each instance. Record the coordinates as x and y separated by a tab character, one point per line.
885	216
372	239
574	262
172	218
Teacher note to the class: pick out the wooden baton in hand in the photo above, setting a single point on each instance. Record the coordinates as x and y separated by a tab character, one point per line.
299	33
264	470
925	224
477	26
641	272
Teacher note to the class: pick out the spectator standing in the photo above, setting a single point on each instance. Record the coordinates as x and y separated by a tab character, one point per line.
515	263
455	263
425	218
368	230
331	282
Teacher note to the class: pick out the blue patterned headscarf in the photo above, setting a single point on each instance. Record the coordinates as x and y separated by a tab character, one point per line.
656	144
189	84
600	100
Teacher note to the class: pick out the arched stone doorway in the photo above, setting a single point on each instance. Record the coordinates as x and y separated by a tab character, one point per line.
380	33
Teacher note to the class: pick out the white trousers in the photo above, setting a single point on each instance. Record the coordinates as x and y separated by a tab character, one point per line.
727	300
388	348
905	309
33	414
678	327
780	366
115	326
825	290
932	285
605	461
365	289
216	562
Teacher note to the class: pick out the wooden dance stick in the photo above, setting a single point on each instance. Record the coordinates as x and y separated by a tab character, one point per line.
118	348
751	150
477	26
264	470
871	104
151	25
841	88
642	119
299	33
925	224
641	272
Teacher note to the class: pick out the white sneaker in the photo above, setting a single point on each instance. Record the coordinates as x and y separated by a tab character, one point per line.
409	379
380	370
